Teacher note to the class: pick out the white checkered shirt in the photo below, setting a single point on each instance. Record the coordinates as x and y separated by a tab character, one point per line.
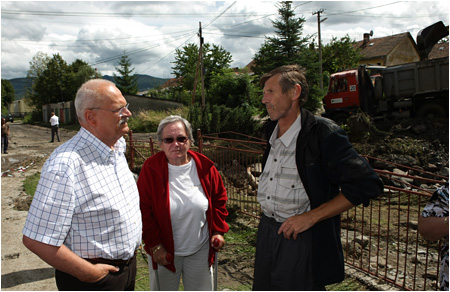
280	191
87	199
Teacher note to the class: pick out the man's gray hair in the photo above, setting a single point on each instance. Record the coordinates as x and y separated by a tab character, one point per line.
171	119
88	96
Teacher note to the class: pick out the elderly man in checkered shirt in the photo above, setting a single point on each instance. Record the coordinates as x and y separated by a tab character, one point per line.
85	219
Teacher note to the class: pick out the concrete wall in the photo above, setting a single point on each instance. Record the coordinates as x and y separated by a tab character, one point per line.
140	103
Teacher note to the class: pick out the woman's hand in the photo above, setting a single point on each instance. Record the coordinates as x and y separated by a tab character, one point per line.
160	255
217	241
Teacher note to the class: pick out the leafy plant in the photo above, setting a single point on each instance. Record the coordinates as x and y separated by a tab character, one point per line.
30	183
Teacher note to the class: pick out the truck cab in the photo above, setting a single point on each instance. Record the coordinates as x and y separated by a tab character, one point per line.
348	91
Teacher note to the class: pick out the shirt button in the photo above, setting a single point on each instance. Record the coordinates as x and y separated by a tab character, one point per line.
268	197
292	186
271	179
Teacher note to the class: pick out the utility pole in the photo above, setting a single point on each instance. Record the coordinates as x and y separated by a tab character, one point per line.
320	45
199	63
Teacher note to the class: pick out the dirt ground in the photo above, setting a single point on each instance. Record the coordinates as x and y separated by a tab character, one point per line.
21	269
28	149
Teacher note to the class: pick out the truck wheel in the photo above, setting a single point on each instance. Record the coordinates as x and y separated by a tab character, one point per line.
340	118
431	111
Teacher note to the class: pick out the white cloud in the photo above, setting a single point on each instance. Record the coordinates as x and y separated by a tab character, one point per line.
150	31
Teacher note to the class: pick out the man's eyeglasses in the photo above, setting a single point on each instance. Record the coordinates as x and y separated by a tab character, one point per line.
178	139
120	110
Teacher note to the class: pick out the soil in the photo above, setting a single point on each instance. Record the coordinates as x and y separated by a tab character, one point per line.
21	269
29	147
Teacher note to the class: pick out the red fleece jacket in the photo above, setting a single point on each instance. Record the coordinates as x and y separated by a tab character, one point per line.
153	186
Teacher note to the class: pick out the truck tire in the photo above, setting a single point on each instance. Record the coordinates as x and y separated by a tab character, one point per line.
340	118
431	111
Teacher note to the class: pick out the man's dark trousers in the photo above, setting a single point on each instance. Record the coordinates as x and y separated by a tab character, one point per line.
55	131
123	280
283	264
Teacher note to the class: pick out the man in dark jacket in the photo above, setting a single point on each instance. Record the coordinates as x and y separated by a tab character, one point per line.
311	174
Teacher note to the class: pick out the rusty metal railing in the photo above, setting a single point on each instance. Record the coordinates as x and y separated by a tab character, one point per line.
380	240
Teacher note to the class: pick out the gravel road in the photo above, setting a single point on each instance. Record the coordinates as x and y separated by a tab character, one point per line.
29	147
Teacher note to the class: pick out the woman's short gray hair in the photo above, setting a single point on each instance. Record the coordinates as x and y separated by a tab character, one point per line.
88	96
172	119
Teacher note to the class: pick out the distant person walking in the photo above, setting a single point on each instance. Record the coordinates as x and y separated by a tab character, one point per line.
5	134
54	122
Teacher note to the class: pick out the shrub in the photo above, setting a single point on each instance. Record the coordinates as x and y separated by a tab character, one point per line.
219	118
148	121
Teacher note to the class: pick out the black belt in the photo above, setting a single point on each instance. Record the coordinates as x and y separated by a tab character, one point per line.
113	262
271	220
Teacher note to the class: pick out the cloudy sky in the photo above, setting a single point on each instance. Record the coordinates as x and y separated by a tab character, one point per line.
98	32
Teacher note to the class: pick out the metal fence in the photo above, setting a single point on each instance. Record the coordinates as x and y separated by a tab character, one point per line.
380	240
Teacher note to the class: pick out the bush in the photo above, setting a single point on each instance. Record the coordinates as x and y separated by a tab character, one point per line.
27	119
148	121
219	118
30	183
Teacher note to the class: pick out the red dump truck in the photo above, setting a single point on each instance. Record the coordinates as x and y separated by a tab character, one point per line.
418	89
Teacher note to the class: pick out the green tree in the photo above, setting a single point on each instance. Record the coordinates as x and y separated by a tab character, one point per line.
54	80
50	85
234	90
286	47
126	82
215	58
339	55
79	72
7	93
290	47
38	64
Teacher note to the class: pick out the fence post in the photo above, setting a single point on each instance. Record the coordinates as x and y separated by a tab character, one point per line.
152	150
130	136
200	141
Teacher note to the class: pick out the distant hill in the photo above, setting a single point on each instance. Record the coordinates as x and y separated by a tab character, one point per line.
145	82
20	85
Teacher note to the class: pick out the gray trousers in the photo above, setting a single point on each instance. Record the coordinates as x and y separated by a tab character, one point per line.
194	269
280	263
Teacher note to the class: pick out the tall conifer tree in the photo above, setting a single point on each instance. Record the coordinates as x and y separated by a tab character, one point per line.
126	82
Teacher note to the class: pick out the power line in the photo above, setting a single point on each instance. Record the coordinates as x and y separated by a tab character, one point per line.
109	59
55	42
169	53
215	18
364	9
118	14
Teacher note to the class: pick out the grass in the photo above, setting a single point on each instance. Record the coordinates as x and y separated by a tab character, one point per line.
349	284
30	183
241	241
142	275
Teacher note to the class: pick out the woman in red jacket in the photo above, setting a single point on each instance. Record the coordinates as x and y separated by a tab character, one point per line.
183	210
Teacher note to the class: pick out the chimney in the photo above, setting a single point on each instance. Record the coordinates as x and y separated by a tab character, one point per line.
366	38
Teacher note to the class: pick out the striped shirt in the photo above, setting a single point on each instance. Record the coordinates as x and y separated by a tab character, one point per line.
87	199
281	192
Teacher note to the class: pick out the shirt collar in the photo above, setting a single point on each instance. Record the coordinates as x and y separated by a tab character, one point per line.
105	152
290	134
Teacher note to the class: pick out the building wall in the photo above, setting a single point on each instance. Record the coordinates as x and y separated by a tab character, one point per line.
377	61
404	52
139	103
64	110
20	108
